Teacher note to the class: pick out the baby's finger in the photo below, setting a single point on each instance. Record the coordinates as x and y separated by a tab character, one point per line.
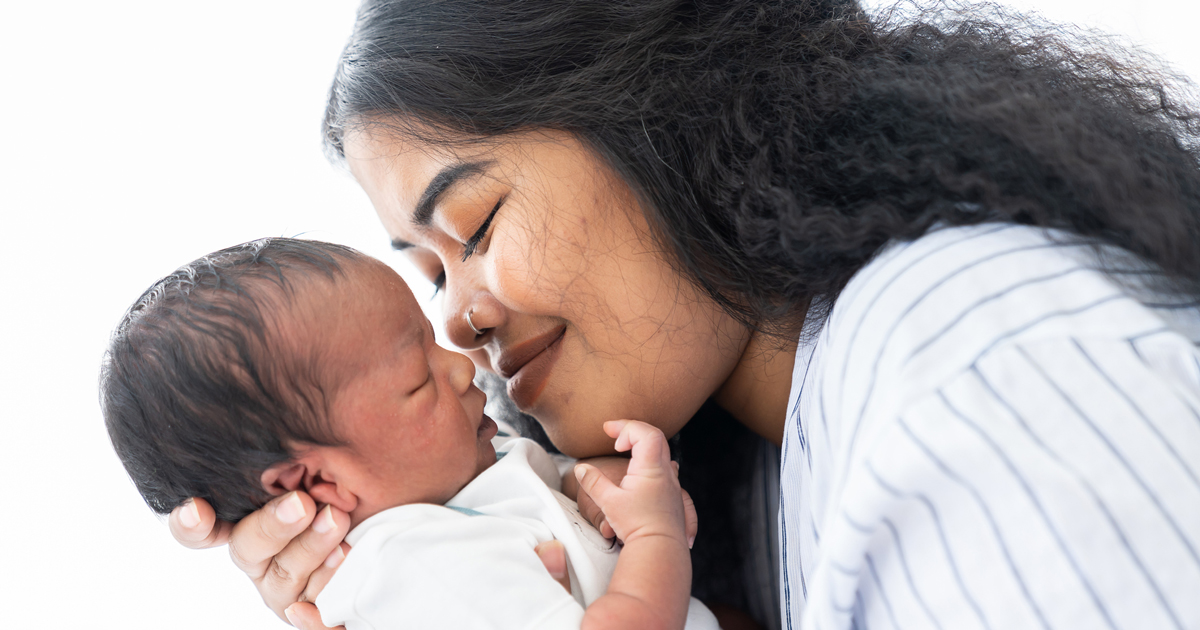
194	525
614	469
648	444
593	482
305	616
321	577
554	557
613	427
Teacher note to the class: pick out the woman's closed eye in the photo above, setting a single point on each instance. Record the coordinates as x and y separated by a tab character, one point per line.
469	248
476	239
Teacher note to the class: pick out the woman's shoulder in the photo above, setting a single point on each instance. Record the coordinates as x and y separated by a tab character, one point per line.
989	282
987	255
927	310
995	389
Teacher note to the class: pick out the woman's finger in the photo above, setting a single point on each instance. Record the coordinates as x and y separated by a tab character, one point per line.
554	558
305	616
194	525
287	574
321	577
691	522
258	537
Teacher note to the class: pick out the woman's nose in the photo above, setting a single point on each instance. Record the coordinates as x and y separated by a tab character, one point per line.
470	321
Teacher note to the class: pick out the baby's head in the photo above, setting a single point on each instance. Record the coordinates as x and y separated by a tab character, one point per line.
286	364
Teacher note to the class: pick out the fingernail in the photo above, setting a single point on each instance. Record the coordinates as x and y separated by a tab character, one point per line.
290	509
579	471
287	612
556	572
335	558
691	541
324	522
189	516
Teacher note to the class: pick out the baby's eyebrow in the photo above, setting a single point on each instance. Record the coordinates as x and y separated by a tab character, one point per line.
447	177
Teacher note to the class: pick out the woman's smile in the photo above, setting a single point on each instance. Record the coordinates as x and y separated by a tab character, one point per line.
569	296
527	366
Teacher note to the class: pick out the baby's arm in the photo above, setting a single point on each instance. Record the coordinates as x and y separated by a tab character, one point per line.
652	582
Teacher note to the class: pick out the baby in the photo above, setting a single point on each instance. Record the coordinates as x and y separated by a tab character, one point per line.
286	364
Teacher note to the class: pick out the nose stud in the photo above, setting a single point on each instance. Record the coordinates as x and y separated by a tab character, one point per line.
472	324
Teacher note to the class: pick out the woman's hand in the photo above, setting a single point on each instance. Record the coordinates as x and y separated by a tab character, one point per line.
288	548
305	616
276	546
614	469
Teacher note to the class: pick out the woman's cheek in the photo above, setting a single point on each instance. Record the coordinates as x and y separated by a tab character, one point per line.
511	276
536	270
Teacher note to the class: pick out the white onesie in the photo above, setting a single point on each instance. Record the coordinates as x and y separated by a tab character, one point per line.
471	563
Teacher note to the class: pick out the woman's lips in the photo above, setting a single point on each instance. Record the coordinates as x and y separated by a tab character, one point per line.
528	367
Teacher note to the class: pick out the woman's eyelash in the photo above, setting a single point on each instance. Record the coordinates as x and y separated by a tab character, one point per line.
439	283
477	238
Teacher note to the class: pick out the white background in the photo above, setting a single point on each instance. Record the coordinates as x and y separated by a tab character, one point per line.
138	136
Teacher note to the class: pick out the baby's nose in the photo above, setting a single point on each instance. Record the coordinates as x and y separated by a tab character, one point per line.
462	372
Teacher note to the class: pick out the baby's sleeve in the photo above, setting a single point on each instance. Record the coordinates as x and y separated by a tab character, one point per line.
444	569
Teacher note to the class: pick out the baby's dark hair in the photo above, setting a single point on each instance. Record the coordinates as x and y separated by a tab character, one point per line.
199	391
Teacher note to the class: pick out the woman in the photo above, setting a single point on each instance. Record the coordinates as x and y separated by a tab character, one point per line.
951	265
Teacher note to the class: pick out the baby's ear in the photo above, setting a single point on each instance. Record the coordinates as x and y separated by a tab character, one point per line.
313	476
283	477
324	487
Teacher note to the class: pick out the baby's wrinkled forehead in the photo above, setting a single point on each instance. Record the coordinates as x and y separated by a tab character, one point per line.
367	307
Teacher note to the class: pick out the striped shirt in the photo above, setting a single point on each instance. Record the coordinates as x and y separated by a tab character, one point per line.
990	432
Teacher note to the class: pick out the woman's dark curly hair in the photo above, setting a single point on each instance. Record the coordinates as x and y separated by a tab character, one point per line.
777	145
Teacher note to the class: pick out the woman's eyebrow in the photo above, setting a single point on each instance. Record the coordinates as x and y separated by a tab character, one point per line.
447	177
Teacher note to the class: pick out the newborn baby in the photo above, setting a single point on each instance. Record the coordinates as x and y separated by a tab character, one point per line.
285	364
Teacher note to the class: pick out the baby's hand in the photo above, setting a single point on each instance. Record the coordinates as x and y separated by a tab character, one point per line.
649	501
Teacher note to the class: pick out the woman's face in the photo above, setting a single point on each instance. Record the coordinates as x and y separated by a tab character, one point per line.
550	255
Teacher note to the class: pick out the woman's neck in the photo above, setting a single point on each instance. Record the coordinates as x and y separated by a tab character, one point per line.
757	391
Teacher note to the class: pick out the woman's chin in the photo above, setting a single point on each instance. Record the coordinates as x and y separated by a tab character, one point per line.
578	439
